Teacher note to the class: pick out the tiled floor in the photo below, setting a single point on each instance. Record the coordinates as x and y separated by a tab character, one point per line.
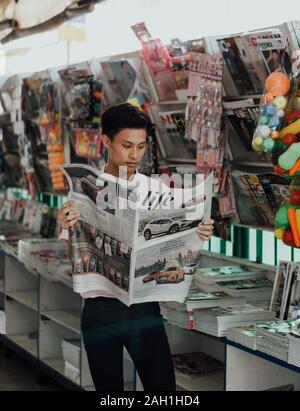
18	375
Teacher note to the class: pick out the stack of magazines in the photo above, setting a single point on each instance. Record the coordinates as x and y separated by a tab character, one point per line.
2	322
236	281
176	314
197	299
11	234
246	336
216	321
44	256
213	275
294	350
275	340
196	364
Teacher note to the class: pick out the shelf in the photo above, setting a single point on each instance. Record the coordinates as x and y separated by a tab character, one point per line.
31	271
171	102
181	160
68	318
57	364
233	98
264	356
23	340
27	298
212	382
238	261
255	164
66	280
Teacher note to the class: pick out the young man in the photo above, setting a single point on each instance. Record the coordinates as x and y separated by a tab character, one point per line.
107	324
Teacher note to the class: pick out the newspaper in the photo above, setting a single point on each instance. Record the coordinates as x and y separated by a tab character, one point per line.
135	239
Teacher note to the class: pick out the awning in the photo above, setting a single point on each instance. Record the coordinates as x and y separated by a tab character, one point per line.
19	18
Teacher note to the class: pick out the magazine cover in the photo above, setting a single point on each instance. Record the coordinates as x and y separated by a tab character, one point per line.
235	64
243	116
254	62
273	47
174	135
277	294
135	239
124	80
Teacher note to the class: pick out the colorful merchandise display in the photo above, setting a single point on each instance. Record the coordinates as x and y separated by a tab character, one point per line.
204	110
51	131
278	133
82	110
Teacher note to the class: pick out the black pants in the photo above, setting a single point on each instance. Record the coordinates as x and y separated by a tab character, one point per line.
108	325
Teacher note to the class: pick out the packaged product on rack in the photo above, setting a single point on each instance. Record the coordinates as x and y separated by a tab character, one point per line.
42	114
268	136
158	60
88	142
83	98
204	110
16	148
181	59
278	133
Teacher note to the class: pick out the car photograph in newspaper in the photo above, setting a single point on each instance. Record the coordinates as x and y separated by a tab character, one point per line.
135	239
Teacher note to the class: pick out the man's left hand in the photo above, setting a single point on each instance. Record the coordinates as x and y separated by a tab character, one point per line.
205	230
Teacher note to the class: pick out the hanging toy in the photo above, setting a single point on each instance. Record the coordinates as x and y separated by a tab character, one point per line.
88	143
288	221
272	113
278	84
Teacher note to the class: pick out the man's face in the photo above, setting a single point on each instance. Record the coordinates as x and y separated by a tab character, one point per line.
127	148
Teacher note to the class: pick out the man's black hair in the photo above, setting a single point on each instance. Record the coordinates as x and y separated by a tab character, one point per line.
122	116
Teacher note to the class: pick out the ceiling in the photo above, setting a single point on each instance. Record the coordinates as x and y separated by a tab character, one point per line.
19	18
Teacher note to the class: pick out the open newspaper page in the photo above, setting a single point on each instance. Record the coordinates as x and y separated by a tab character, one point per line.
168	247
102	240
135	240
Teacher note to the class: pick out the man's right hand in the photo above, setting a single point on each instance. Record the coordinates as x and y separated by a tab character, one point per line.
68	215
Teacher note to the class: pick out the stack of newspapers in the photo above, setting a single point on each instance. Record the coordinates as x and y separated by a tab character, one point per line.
2	322
275	341
246	336
48	257
197	298
236	281
216	321
176	314
294	350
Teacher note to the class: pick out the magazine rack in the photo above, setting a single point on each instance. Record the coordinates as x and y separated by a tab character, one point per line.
40	314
